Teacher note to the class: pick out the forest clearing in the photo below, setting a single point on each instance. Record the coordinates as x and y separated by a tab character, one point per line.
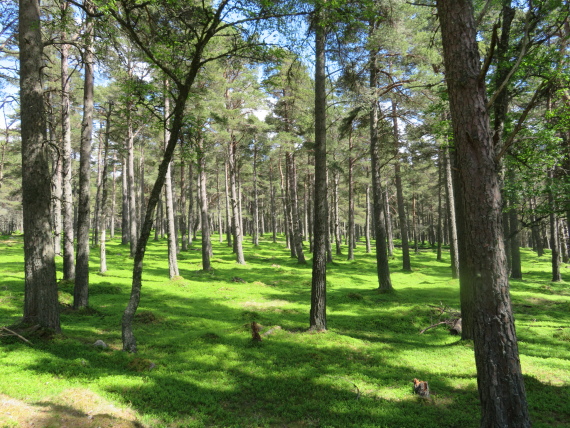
197	364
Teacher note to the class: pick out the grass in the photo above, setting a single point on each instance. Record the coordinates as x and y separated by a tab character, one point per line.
197	365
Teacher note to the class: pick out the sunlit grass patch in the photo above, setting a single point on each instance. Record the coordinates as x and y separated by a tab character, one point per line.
197	364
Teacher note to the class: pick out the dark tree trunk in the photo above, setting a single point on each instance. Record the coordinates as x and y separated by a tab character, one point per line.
318	313
182	219
383	269
499	376
81	289
40	301
554	241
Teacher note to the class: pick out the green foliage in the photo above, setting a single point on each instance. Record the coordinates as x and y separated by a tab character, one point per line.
197	364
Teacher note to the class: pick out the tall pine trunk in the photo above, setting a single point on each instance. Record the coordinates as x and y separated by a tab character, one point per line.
40	302
499	376
318	313
81	289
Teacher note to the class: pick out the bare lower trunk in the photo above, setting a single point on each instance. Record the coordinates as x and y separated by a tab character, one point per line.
67	197
237	228
81	290
383	270
172	260
296	231
206	240
40	301
499	377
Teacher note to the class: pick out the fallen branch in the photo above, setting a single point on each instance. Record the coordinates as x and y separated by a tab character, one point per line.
13	333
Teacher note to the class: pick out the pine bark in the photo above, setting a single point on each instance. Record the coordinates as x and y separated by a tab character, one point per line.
318	317
206	239
67	197
382	267
499	377
296	230
234	200
81	289
172	236
40	301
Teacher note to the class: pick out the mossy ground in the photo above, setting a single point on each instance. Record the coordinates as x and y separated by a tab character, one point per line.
198	366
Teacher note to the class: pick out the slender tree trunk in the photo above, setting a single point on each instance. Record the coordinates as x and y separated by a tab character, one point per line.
554	241
406	264
113	200
388	219
182	219
125	204
351	230
318	317
103	206
229	231
367	224
56	183
67	200
237	227
452	223
40	301
273	205
206	239
296	230
499	376
383	270
190	203
439	204
255	234
516	270
81	289
172	260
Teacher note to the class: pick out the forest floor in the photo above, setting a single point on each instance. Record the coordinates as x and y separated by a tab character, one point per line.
197	364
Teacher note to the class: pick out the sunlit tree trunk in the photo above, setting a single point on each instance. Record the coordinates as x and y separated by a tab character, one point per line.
499	376
81	289
237	227
169	199
40	300
296	230
318	318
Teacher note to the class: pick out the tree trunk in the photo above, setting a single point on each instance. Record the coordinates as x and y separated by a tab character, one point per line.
439	238
554	241
500	381
40	301
124	203
296	230
81	289
182	219
237	228
229	230
382	267
56	183
406	264
103	204
255	231
203	197
351	232
169	199
67	199
318	313
452	223
367	224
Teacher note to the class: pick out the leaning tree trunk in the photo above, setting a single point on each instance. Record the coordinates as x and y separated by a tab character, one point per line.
318	313
499	376
81	289
40	302
382	267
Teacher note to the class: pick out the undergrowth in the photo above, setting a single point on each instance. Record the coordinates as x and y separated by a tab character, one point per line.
198	366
